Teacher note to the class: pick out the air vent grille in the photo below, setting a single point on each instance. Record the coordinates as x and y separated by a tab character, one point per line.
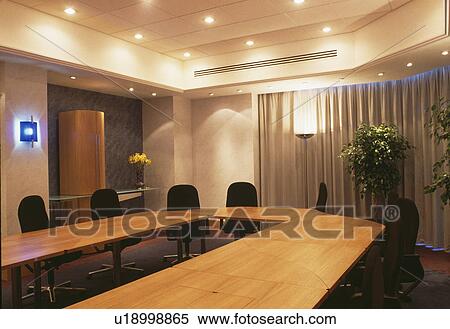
266	63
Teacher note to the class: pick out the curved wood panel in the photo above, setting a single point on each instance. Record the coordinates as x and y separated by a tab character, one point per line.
81	152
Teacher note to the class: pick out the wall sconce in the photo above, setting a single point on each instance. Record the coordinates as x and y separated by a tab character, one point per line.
28	131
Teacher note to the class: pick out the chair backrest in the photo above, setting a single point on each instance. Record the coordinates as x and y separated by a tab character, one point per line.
372	283
183	197
409	224
322	198
105	203
242	194
393	253
32	214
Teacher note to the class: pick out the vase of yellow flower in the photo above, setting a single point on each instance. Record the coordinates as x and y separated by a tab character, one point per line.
139	161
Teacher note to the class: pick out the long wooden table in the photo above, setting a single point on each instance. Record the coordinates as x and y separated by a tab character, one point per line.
270	269
41	245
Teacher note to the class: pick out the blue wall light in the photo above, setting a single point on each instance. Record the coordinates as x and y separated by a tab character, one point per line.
28	131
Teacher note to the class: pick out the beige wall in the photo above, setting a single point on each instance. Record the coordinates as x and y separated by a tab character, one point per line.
157	131
210	143
222	130
183	140
24	170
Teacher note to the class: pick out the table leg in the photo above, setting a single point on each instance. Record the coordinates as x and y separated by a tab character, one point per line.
203	245
37	290
117	263
179	250
16	287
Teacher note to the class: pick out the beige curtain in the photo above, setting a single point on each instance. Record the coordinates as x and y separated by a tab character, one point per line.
291	169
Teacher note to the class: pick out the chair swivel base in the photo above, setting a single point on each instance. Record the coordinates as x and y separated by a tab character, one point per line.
176	260
108	268
65	286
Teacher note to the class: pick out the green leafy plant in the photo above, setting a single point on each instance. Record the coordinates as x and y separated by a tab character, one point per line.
373	156
440	128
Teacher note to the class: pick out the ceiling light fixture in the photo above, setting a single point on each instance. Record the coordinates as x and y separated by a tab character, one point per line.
445	53
298	1
154	94
138	36
70	11
131	89
211	94
380	74
409	64
187	54
209	20
73	77
250	43
326	29
239	90
269	87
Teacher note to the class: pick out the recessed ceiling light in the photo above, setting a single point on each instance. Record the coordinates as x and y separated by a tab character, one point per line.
380	74
239	90
298	1
250	43
269	87
211	94
445	53
73	77
131	89
138	36
154	94
409	64
70	11
326	29
209	20
187	54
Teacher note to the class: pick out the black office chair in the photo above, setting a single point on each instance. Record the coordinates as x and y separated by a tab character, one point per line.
241	194
33	217
105	204
321	204
185	197
411	269
372	287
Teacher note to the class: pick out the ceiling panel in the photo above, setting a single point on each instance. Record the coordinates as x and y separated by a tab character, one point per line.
56	8
142	13
345	9
110	5
251	9
397	3
107	23
184	7
165	45
172	27
195	53
128	35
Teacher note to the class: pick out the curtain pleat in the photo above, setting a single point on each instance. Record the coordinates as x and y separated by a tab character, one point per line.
292	169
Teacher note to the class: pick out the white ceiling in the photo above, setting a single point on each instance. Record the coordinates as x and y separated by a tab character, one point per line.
173	27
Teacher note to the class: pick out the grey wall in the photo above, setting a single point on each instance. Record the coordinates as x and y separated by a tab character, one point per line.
123	131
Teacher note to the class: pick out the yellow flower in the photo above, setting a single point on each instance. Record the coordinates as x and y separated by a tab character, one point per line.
139	159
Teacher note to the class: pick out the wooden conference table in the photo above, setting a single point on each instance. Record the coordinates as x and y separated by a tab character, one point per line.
265	270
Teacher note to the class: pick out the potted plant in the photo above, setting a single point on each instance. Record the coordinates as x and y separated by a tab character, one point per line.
139	161
372	158
440	129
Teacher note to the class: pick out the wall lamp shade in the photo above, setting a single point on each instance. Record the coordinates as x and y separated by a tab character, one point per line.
28	131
